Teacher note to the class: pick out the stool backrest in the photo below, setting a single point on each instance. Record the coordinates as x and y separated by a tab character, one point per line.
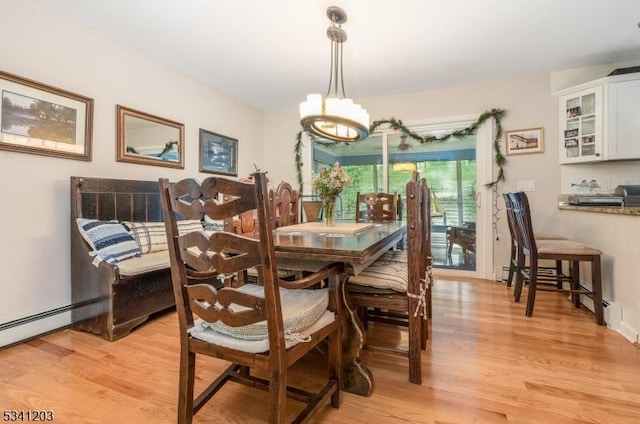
522	223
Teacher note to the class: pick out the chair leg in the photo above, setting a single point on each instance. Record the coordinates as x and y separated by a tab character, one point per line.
415	336
186	386
335	364
512	265
533	281
277	394
517	291
575	283
596	282
559	274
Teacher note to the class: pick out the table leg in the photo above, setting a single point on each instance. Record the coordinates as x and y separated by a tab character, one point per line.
356	378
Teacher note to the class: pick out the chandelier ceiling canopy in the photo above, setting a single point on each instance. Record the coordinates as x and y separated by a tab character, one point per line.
335	117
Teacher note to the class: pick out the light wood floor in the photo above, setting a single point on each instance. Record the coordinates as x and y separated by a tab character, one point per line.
485	363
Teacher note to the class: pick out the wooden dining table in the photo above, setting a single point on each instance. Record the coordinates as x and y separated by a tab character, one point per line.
356	245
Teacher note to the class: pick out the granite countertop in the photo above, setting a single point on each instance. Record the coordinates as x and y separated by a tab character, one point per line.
564	205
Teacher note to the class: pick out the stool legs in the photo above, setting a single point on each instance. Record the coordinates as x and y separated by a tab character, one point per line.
596	275
575	283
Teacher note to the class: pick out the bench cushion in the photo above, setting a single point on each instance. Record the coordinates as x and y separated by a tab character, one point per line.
145	263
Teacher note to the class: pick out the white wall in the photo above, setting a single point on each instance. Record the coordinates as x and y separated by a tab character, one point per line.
34	217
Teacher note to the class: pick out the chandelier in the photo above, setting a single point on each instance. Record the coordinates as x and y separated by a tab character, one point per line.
335	117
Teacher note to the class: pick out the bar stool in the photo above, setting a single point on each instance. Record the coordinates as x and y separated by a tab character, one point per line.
563	250
545	273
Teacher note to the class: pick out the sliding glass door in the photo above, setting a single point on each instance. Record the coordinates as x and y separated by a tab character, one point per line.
384	162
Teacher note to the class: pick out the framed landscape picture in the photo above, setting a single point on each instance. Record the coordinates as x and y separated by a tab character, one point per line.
44	120
525	141
218	153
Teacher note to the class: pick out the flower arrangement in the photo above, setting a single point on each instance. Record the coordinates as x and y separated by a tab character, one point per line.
330	182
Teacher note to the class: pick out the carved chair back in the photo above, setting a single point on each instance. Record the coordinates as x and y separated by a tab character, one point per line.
285	203
376	207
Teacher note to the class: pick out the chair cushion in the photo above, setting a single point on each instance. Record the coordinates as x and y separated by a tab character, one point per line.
383	275
300	309
108	239
394	256
201	330
152	236
548	247
548	236
212	224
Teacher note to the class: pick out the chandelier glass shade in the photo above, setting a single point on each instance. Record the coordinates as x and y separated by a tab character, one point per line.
335	117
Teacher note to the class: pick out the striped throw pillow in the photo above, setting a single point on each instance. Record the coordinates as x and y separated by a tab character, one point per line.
109	240
152	236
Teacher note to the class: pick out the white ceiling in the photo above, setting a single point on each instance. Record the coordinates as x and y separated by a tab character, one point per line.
271	53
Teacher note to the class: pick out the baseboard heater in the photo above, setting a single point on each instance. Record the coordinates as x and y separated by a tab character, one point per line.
46	314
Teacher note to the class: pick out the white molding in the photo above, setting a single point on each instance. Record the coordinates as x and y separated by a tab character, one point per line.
628	332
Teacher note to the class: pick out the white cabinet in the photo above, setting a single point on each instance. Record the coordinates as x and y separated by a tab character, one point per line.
624	119
600	120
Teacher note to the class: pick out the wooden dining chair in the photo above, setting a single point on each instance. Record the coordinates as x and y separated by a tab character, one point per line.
399	284
266	327
563	250
376	207
285	205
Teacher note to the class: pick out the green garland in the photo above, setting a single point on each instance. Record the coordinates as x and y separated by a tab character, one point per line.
396	124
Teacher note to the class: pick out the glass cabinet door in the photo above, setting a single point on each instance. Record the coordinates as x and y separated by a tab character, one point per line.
581	126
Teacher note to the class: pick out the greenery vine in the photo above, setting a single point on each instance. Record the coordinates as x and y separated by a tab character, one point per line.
396	124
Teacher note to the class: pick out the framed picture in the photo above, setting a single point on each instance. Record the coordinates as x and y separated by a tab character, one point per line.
44	120
574	112
218	153
525	141
149	139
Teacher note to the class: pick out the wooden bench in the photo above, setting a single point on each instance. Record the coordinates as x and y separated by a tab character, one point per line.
105	301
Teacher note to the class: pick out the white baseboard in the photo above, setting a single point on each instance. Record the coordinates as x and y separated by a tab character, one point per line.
628	332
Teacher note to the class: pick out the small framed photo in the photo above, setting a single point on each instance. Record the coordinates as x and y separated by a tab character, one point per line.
571	133
525	141
218	153
571	142
574	112
44	120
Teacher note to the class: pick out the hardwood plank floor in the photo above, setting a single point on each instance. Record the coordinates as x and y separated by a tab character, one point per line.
485	363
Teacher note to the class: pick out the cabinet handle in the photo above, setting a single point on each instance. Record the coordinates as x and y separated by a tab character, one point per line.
597	154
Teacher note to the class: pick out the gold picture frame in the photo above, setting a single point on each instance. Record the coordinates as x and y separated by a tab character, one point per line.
530	140
147	139
44	120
